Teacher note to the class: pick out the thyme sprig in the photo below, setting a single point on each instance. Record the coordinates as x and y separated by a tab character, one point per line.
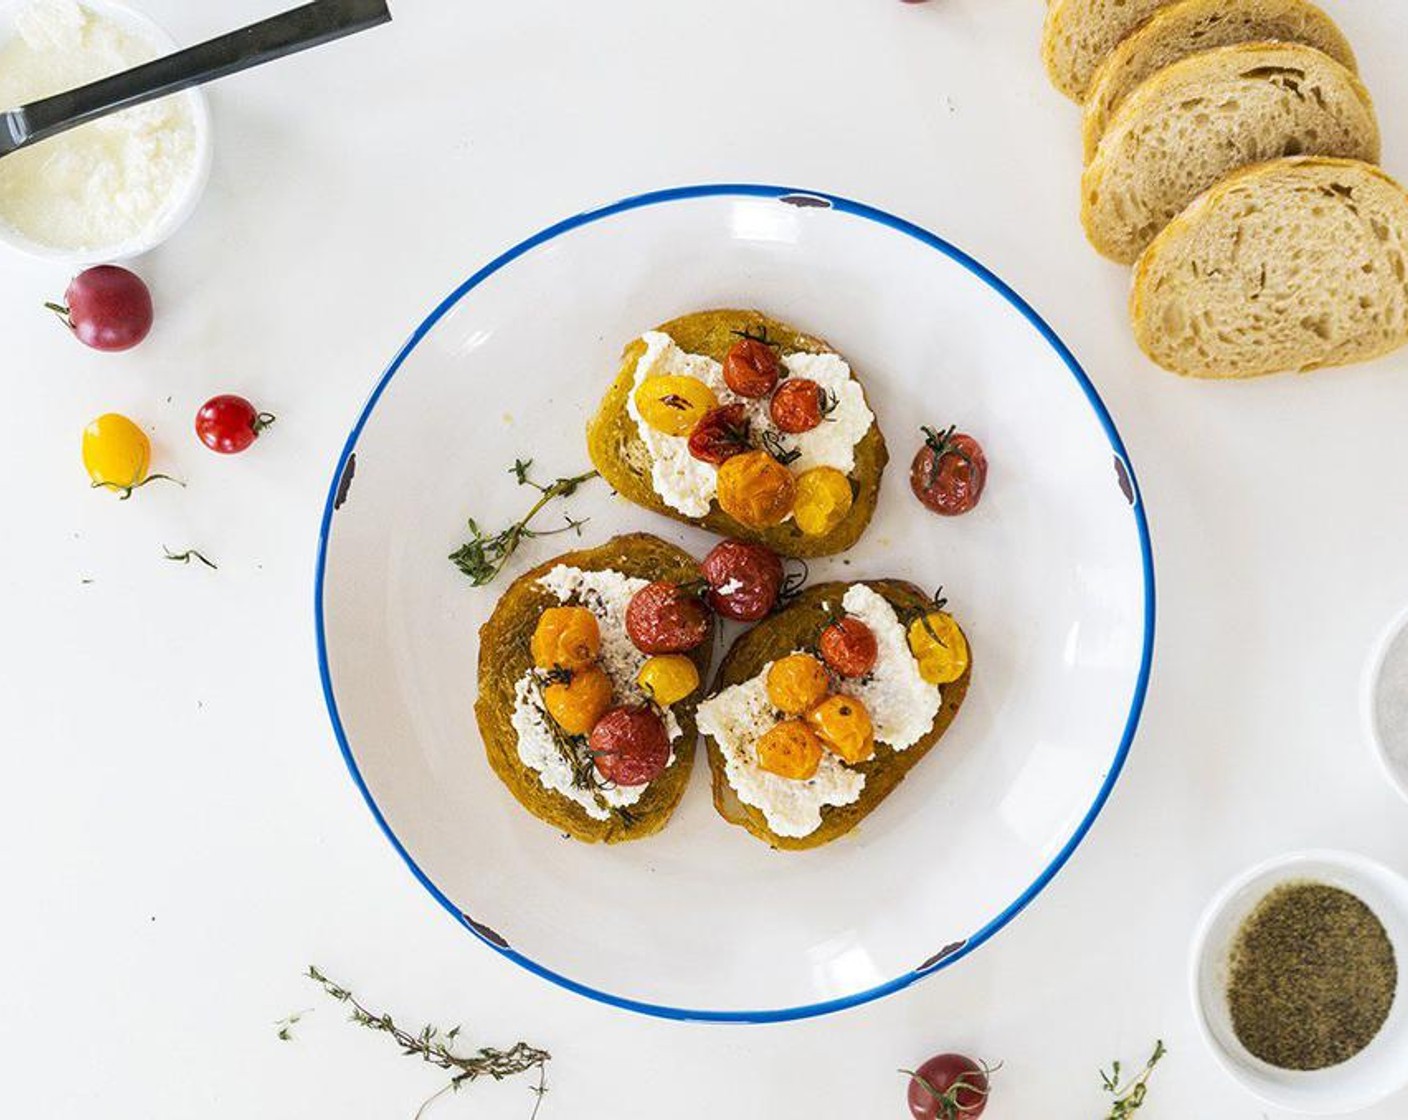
761	335
577	753
437	1047
941	444
189	555
1128	1098
483	557
921	615
773	445
125	492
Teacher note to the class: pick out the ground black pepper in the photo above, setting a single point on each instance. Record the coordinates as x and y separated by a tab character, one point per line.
1312	979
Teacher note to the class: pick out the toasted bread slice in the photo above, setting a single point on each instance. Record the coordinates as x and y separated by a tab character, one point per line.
1291	265
618	452
1080	33
796	628
1195	122
505	658
1192	26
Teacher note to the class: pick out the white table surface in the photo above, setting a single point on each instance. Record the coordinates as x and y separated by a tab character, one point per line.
180	836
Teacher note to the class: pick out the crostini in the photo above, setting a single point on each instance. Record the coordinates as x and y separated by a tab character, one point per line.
589	674
741	424
818	712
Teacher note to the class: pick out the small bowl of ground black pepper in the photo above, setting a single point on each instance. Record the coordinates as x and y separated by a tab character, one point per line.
1296	984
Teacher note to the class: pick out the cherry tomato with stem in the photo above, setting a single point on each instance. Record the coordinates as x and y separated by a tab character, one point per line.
848	647
630	746
665	617
799	405
107	308
721	434
751	368
949	1087
745	579
949	472
228	424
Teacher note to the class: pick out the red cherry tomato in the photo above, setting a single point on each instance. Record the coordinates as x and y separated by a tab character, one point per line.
751	368
721	434
107	308
229	424
948	1087
848	647
630	746
744	580
666	618
949	472
798	405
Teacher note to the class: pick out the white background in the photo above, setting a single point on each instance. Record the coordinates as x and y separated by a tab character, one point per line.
179	835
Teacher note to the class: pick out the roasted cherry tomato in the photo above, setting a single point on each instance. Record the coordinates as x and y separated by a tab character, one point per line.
630	746
116	453
668	678
756	490
579	700
744	579
824	498
751	368
948	1087
939	646
798	405
666	618
843	725
790	750
566	638
108	308
848	647
723	433
229	424
797	683
949	472
673	404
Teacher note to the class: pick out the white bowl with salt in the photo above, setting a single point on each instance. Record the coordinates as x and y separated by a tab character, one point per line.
1385	702
117	187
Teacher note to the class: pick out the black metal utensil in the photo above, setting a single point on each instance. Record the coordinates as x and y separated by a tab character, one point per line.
296	30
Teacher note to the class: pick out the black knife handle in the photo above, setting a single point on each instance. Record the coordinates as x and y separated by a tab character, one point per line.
295	30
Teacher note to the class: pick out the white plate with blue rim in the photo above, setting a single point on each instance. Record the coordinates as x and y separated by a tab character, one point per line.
1051	575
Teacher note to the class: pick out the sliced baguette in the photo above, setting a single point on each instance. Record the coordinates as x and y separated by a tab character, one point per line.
1195	122
505	656
1080	33
1291	265
796	628
1191	26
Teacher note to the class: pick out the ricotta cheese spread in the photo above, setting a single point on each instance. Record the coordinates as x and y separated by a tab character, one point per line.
901	703
106	182
606	594
688	485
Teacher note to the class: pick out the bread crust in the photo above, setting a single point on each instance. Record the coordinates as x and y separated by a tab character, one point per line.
1080	33
794	628
619	454
505	656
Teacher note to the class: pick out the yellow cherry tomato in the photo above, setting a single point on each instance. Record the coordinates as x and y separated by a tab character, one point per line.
939	646
566	638
823	499
673	404
756	490
843	725
116	453
790	750
797	683
578	702
669	678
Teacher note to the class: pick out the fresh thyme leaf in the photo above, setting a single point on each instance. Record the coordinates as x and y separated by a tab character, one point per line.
1129	1098
189	555
484	555
288	1022
436	1047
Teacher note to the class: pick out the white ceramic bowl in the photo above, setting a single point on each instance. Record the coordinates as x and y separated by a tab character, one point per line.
1379	1070
1393	756
182	205
1051	575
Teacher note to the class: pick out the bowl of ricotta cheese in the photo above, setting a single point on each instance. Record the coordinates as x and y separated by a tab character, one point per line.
116	187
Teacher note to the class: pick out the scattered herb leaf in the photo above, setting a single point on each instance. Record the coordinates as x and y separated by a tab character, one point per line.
773	445
125	492
189	555
1128	1098
288	1022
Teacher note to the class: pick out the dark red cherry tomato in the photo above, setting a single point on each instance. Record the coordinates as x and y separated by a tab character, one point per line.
630	746
667	618
744	580
848	647
798	405
751	368
948	1087
721	434
949	472
229	424
107	308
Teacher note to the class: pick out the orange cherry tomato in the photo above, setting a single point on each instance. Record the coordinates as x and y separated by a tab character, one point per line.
790	750
843	725
578	702
566	638
796	683
756	490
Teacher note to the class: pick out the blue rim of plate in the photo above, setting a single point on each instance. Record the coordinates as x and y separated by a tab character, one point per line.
800	197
